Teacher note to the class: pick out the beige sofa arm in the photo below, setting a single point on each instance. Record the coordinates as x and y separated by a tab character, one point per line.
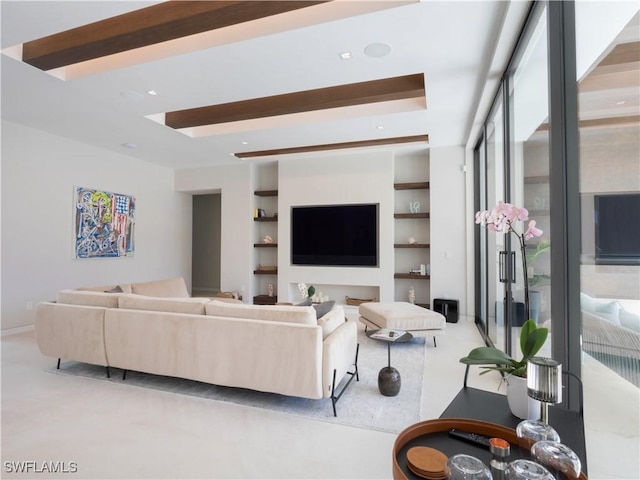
71	332
339	353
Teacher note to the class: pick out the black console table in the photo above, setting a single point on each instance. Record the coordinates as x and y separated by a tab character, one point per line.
493	407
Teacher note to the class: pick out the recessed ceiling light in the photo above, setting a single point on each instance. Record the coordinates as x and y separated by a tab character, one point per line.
621	102
152	92
345	55
377	50
245	143
130	145
380	127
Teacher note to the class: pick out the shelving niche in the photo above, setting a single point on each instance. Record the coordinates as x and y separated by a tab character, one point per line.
408	256
265	254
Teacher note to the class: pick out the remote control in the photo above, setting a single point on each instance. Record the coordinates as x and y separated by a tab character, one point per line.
480	440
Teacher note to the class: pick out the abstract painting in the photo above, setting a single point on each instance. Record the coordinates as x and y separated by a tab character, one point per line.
104	223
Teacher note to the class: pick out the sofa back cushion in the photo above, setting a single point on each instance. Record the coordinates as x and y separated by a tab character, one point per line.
275	313
120	288
174	305
87	297
170	287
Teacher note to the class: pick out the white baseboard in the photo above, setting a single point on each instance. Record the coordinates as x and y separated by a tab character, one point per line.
16	330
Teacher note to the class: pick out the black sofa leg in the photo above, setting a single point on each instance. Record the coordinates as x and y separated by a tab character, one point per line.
58	367
434	342
108	372
334	397
124	375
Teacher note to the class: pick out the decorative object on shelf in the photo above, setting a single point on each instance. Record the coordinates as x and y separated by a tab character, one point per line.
270	289
357	301
423	269
261	213
544	383
412	295
267	239
306	291
414	207
532	339
267	268
501	219
428	271
412	241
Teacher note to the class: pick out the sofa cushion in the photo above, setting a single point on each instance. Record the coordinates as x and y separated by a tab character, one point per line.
629	320
330	321
170	287
125	287
323	308
608	310
163	304
88	297
274	313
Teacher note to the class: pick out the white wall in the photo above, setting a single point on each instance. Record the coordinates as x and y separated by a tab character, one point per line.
39	172
356	178
449	226
234	184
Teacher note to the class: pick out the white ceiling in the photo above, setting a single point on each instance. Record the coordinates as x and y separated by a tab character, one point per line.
451	42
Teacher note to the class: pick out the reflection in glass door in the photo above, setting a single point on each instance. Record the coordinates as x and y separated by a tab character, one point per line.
495	242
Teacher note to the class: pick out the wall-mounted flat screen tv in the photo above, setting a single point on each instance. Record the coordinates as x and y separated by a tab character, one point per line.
617	224
335	235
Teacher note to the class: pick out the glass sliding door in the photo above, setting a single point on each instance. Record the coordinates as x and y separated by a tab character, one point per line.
529	171
495	243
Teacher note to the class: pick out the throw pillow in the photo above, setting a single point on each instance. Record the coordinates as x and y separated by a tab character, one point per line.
329	323
323	308
116	289
587	303
608	311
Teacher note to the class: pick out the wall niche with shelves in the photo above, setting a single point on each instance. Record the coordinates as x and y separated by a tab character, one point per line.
411	226
265	229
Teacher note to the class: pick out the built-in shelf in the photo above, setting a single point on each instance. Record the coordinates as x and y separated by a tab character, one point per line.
411	186
265	245
411	245
265	219
266	272
537	179
411	215
266	193
411	276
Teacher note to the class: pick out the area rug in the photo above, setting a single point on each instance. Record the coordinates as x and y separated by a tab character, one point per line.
362	405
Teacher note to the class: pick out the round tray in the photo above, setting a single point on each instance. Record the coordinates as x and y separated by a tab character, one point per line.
435	434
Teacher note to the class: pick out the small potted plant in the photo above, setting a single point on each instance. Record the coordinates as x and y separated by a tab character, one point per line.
532	339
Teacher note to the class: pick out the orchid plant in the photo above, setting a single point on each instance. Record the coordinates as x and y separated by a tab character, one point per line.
502	219
306	291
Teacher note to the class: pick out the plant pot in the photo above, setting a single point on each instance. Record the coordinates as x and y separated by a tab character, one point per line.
520	403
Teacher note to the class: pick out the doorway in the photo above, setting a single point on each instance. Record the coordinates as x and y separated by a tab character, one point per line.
206	239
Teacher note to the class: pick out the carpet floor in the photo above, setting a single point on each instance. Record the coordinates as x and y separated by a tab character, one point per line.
362	405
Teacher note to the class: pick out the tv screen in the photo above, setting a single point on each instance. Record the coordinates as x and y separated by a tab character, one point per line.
617	224
335	235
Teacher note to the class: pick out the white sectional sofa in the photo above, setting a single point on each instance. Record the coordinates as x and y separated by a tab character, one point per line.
155	327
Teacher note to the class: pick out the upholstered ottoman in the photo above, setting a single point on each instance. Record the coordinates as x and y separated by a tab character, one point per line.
421	322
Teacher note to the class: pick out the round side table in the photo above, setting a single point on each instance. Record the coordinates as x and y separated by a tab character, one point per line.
389	380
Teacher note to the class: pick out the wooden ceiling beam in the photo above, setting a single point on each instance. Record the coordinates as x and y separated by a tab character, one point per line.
335	146
388	89
147	26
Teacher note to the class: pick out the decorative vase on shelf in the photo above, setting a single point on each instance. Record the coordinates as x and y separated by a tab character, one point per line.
520	403
412	295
